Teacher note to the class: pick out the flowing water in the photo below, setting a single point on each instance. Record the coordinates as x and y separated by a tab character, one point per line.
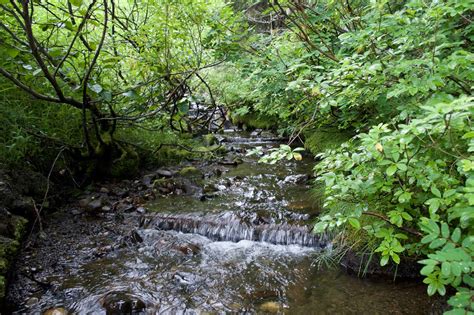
242	244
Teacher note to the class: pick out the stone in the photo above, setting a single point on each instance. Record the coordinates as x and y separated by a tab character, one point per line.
106	208
95	204
148	180
104	190
124	206
123	303
164	173
56	311
77	211
189	249
31	301
270	307
84	202
141	210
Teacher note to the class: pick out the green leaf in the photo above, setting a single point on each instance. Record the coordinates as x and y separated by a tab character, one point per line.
445	230
384	260
429	238
395	258
355	223
435	191
391	170
12	52
456	236
76	3
446	269
426	270
437	243
431	289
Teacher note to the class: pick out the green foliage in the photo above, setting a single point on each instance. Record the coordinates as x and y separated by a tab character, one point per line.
277	154
320	140
419	181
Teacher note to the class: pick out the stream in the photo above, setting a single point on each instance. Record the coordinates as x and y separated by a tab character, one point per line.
239	241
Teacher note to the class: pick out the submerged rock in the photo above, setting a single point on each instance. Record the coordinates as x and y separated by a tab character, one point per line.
118	303
56	311
188	249
270	307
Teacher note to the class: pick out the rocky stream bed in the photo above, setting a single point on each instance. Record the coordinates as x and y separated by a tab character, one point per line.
222	236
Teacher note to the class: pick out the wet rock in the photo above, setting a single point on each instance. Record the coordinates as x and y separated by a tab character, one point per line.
77	211
186	278
141	210
190	171
95	204
188	249
164	173
270	307
256	132
106	208
104	190
136	237
124	206
31	301
84	202
147	180
118	303
56	311
210	188
231	161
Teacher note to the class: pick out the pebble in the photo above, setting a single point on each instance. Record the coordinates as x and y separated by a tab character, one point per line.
270	307
56	311
31	301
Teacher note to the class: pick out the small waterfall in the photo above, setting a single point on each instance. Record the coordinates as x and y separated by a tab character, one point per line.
230	227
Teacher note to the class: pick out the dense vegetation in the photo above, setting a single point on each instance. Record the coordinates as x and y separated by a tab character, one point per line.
379	91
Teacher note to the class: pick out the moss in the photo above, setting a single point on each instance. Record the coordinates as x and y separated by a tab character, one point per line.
209	139
8	246
173	155
127	165
255	121
3	265
2	287
19	227
319	140
189	171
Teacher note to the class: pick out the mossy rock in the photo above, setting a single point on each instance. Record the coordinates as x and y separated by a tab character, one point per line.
8	246
3	266
320	140
252	121
173	155
209	140
190	171
2	288
18	225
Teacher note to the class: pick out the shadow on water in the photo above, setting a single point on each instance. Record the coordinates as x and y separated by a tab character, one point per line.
244	248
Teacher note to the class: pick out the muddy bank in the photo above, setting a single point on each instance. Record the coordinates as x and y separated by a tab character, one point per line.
19	195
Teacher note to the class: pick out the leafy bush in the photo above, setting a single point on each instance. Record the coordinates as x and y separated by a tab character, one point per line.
417	181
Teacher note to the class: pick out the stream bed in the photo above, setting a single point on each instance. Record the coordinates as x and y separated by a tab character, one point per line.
236	238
